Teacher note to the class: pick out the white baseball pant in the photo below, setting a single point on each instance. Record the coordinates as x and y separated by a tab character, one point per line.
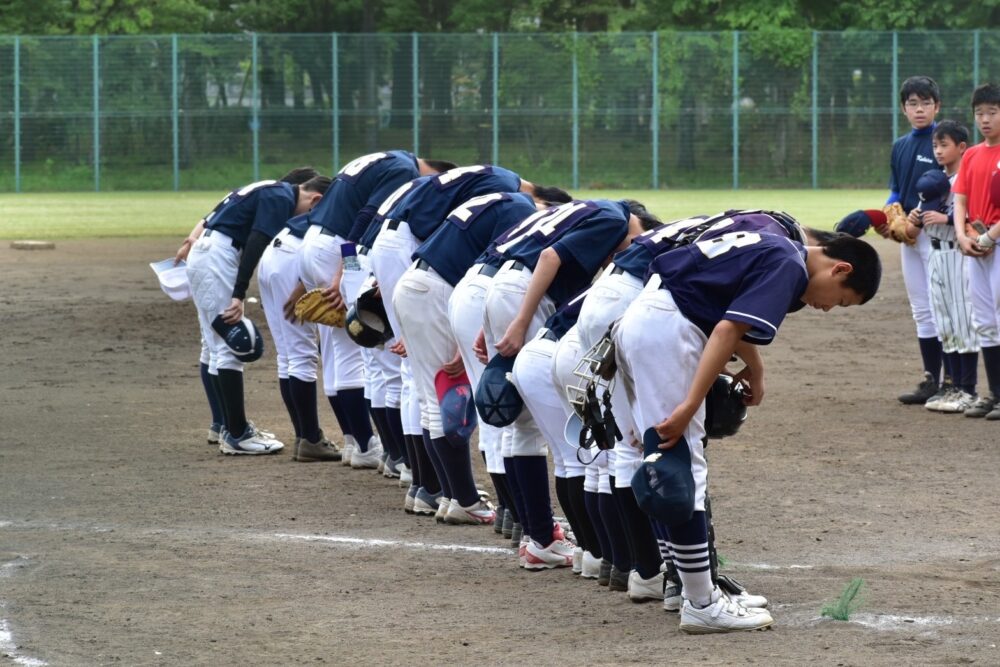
914	260
984	291
949	299
211	269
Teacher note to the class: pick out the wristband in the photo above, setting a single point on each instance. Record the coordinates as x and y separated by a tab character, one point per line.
985	241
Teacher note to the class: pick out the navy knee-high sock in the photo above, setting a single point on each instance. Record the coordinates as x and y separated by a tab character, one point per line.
587	536
690	547
456	462
435	461
428	476
594	512
382	427
616	533
503	495
950	360
533	480
646	556
514	486
303	395
412	463
930	353
352	402
662	540
338	412
991	360
394	420
562	495
968	364
231	391
286	398
212	394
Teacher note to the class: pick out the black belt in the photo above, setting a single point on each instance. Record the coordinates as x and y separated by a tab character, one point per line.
236	244
422	265
327	232
549	334
488	270
617	270
393	225
362	250
516	265
938	244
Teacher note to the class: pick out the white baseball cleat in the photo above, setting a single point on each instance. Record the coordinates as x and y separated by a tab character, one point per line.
644	590
249	444
369	459
722	615
590	568
671	596
347	451
476	514
557	554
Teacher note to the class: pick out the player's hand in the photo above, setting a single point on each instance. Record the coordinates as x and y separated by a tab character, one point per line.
333	295
289	308
914	217
479	347
969	247
399	348
455	367
672	428
513	339
234	313
882	230
182	252
934	218
753	380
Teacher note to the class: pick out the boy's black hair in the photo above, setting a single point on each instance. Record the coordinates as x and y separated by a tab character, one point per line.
923	87
299	175
440	165
953	130
988	93
823	237
647	220
317	184
552	195
867	267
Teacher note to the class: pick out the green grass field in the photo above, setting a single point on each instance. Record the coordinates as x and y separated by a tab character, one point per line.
130	214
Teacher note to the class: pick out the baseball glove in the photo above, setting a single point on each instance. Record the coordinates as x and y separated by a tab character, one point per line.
897	224
313	307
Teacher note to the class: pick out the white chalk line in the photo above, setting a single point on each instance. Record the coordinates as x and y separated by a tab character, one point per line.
372	543
8	648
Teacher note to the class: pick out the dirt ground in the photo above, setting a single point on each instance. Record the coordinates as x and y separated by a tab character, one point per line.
126	539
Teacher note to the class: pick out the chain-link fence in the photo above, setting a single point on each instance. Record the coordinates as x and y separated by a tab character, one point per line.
637	110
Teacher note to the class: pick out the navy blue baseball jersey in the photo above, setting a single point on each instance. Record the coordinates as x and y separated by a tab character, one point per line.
363	182
428	203
583	233
470	229
912	155
375	225
264	206
298	225
636	258
566	316
746	277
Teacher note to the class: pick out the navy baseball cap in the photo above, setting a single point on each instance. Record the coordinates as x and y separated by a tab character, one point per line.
933	188
858	222
458	406
242	338
663	485
497	399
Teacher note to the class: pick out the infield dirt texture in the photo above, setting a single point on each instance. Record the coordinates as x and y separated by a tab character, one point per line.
126	539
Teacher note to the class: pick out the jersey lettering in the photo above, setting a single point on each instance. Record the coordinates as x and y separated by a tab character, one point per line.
247	189
470	210
726	242
544	224
391	200
453	176
355	167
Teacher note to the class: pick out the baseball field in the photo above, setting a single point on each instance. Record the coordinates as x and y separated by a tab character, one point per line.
126	539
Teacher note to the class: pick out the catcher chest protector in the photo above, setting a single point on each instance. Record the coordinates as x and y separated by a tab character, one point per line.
242	338
724	408
366	323
497	399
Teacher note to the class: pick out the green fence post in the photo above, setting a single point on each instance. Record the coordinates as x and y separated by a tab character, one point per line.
895	83
17	114
654	118
975	76
174	114
335	101
255	114
97	113
496	100
736	110
815	111
416	94
576	118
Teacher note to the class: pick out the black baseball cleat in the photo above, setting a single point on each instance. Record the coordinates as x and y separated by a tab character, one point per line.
924	391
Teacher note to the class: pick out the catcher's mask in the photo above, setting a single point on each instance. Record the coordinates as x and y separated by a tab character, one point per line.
497	399
725	411
366	322
663	485
242	338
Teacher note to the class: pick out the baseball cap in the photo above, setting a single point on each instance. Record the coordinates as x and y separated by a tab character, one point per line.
173	279
858	222
497	399
663	485
933	188
243	338
458	406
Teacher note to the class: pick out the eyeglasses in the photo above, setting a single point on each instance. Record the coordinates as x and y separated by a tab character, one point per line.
920	104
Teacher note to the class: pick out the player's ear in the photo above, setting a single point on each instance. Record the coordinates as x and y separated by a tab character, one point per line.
843	269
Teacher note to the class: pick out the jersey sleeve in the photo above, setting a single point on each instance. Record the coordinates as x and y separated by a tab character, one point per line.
274	208
389	183
589	243
764	297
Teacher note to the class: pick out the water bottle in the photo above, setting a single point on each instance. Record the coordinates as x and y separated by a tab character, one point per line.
350	254
354	273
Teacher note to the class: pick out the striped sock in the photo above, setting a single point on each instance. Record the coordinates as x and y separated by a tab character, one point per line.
689	542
